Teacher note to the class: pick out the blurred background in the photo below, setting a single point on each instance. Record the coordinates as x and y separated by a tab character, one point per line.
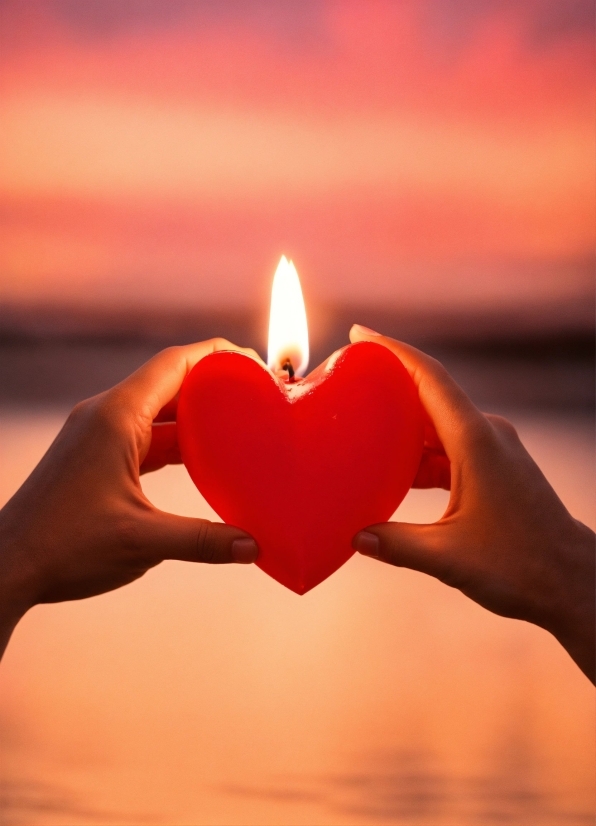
429	165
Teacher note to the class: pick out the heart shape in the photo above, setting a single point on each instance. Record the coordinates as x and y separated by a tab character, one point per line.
302	467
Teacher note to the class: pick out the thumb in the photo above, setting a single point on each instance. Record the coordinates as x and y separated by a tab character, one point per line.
198	540
418	547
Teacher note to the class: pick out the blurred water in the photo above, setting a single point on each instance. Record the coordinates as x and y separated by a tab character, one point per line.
214	696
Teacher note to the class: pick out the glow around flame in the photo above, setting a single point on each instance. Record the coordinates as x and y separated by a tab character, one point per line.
288	331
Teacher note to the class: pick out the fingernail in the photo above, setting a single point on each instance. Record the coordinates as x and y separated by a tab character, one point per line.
244	550
366	331
366	543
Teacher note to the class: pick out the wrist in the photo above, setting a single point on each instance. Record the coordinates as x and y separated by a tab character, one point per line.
572	619
16	581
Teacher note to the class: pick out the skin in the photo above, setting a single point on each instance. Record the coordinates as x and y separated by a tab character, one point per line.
506	540
81	525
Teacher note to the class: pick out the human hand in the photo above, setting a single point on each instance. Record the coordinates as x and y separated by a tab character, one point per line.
506	540
80	524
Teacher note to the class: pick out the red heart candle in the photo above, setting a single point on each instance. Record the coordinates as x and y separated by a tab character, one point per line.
302	466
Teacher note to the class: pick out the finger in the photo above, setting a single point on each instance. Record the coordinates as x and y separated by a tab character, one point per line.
450	410
434	471
196	540
154	384
163	449
408	546
431	440
168	411
248	351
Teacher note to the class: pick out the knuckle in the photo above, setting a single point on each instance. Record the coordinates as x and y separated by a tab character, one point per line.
129	535
429	363
103	410
87	407
175	351
171	355
80	412
220	343
438	365
205	547
80	409
107	411
478	434
504	427
168	358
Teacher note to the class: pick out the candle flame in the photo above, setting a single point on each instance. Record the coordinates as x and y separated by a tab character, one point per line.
288	331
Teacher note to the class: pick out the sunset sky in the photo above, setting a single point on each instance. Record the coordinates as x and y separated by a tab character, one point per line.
411	153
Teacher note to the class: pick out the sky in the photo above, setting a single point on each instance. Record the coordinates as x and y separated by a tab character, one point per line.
416	153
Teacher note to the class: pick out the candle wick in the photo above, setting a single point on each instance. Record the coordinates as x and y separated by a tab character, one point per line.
287	365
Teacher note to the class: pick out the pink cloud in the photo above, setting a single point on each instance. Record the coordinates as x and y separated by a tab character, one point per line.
202	140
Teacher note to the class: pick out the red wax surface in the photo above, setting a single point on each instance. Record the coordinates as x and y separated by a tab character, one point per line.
302	467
